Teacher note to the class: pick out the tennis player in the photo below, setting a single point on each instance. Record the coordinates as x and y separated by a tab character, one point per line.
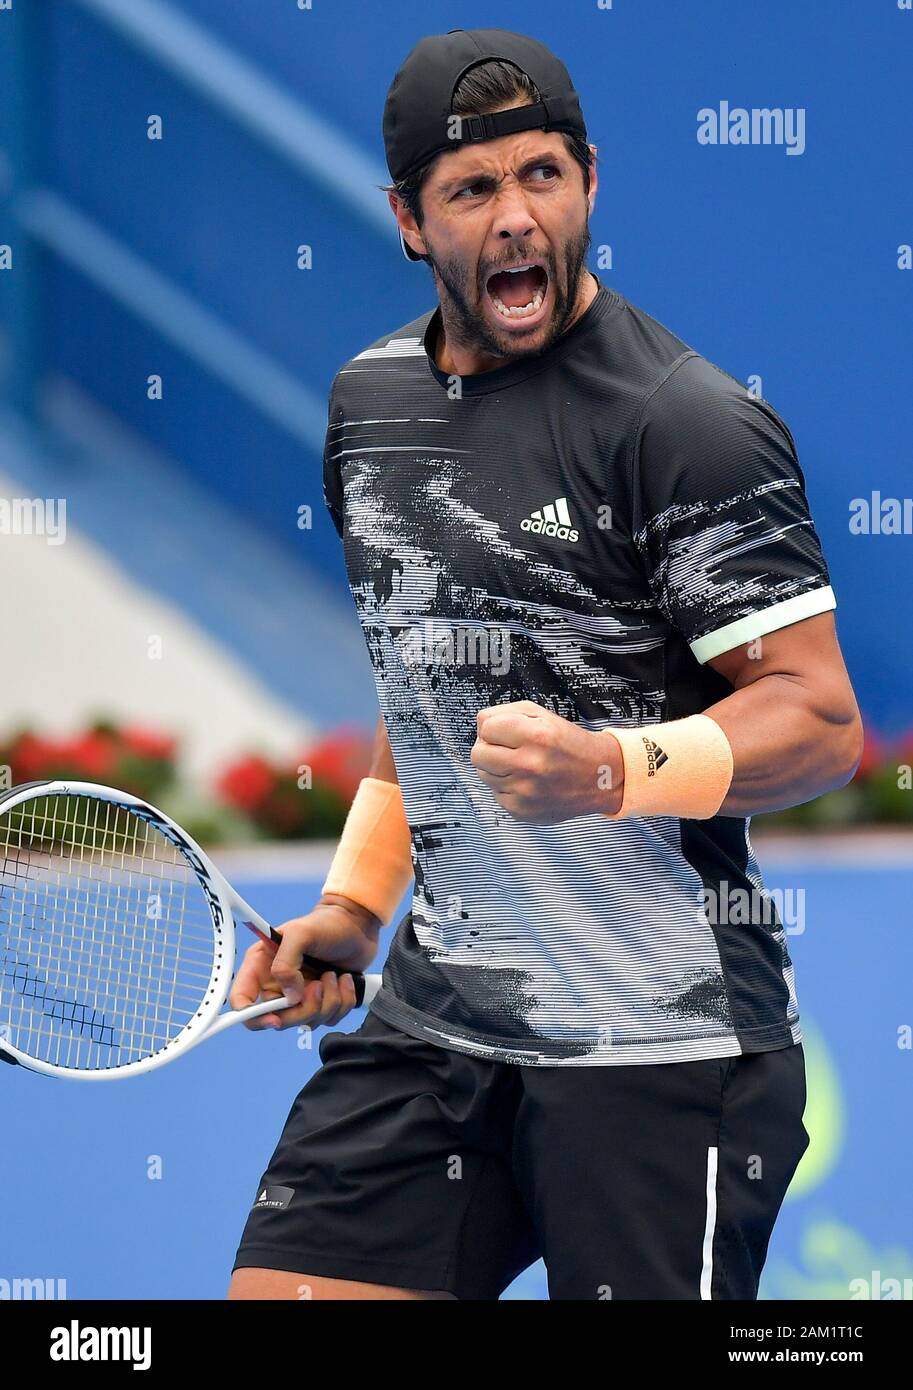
602	633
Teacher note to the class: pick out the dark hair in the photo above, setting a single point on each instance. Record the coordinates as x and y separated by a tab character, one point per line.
486	88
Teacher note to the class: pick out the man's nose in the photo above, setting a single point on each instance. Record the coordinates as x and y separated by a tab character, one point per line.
513	217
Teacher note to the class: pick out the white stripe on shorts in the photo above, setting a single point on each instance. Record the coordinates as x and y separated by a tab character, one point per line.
710	1225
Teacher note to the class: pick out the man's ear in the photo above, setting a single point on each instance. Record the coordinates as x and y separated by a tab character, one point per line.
407	224
594	179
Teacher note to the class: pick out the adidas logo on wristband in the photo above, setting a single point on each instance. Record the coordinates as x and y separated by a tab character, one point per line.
655	757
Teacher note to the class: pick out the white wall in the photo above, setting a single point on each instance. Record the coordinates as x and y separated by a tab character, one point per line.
76	643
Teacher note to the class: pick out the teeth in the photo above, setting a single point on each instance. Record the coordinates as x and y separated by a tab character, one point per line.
519	311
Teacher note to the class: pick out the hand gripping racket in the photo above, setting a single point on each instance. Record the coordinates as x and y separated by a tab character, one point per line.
117	935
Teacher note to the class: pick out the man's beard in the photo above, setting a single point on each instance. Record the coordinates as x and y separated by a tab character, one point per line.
471	329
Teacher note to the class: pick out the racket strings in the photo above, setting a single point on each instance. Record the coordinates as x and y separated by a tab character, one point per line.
106	936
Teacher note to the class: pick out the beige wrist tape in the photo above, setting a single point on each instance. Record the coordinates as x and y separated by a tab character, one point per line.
683	768
373	860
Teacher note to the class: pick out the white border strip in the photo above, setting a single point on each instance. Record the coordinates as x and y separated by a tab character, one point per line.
872	848
791	610
295	862
304	859
710	1227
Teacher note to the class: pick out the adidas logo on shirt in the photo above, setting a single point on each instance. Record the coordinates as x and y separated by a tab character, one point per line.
552	520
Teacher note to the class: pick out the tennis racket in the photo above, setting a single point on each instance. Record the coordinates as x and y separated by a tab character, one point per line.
117	935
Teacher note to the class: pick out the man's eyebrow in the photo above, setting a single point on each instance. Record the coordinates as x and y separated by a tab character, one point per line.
461	180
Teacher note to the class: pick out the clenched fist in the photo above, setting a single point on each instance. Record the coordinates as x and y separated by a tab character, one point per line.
543	768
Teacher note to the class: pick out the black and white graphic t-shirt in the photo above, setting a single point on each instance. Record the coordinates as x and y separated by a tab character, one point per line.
585	529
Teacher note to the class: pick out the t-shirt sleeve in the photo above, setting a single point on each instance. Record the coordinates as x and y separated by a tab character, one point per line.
332	485
721	517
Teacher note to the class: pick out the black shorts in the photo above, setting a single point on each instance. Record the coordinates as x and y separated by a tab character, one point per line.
408	1164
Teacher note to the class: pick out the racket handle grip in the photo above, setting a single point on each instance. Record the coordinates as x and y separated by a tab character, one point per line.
320	967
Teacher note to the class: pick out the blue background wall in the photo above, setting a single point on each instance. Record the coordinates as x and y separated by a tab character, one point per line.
774	265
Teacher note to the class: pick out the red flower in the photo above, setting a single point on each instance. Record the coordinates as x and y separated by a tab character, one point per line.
340	760
146	743
248	782
91	755
901	751
874	753
29	756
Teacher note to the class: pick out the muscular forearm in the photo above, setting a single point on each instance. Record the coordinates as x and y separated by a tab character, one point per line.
792	721
791	730
789	743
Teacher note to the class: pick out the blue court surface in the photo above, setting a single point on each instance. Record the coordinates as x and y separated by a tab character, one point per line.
139	1189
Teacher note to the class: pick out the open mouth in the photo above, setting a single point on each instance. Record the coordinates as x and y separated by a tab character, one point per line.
519	293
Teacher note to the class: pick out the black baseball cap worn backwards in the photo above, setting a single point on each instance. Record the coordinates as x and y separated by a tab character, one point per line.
419	121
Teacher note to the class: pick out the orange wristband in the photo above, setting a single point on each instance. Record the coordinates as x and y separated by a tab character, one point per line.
373	860
682	768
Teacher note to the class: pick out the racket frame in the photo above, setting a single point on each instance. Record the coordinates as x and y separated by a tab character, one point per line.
226	907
